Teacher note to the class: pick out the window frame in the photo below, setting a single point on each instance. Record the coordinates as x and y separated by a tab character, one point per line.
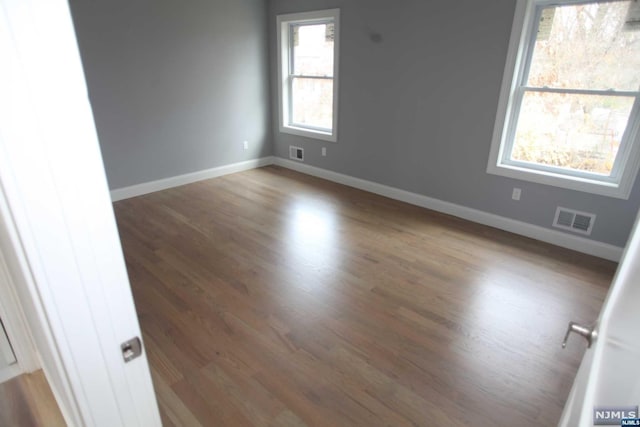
286	77
522	42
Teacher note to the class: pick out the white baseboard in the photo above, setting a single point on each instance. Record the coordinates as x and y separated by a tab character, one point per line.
558	238
576	243
176	181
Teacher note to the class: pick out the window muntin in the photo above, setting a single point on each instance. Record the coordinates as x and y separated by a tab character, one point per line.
308	67
573	109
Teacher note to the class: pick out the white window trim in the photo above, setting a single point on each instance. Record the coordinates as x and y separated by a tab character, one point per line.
283	22
623	176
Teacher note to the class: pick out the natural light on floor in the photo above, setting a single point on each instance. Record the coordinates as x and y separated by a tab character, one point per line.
313	238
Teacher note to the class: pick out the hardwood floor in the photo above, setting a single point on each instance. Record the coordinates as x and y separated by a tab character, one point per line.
271	298
27	401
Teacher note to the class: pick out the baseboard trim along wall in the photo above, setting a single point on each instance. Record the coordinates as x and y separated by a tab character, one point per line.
176	181
558	238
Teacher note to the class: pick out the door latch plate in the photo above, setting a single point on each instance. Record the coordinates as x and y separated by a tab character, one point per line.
131	349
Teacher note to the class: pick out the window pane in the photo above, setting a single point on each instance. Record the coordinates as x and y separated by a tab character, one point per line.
580	132
313	50
586	46
312	102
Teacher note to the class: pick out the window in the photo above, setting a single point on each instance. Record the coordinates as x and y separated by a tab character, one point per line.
308	71
570	103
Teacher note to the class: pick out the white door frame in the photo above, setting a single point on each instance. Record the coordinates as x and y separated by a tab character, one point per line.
11	311
14	319
27	316
77	297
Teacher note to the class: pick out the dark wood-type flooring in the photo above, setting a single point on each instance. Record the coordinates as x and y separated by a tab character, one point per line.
271	298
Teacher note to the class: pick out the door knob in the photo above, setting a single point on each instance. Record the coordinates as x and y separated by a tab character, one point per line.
589	333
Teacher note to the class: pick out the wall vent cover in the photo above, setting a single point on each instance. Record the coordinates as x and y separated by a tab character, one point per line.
576	221
296	153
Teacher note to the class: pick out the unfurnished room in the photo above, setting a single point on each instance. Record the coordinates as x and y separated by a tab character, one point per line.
319	213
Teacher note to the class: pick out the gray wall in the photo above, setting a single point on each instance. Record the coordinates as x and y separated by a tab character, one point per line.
175	86
417	110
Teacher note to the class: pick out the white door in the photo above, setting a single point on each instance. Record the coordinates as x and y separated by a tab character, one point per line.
55	202
609	376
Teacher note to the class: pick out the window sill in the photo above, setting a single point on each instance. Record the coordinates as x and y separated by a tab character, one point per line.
308	133
609	189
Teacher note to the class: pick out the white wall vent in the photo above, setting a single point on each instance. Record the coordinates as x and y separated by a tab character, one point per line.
296	153
576	221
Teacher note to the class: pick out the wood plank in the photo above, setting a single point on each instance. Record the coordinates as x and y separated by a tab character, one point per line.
27	400
272	298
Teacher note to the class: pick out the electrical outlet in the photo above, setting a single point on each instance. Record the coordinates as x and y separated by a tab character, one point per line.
517	192
246	145
324	151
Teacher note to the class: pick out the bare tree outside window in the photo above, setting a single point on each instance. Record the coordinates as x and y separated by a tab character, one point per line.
583	80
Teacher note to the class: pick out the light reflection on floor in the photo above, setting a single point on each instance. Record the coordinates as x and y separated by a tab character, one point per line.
313	240
499	303
502	313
